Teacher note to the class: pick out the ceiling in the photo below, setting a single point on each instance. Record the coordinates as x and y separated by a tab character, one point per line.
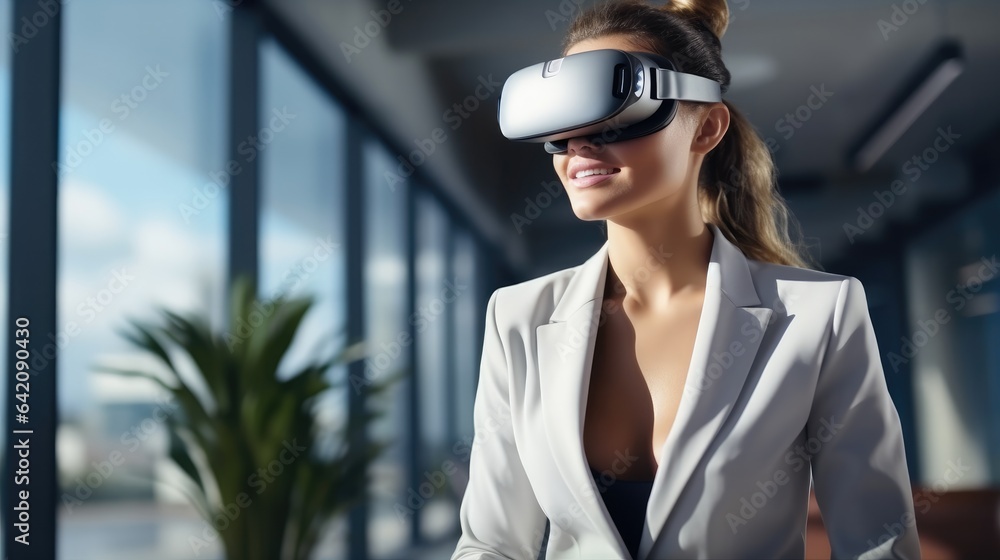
408	70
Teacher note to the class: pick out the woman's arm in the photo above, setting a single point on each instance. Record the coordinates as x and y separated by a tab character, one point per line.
859	472
499	515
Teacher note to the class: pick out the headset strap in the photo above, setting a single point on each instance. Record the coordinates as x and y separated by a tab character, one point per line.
686	87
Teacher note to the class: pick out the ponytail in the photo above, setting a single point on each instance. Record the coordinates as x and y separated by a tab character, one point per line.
737	192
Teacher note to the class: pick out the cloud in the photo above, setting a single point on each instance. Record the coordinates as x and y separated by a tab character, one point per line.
88	216
171	263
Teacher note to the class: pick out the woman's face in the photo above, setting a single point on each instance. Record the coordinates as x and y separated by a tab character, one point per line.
652	168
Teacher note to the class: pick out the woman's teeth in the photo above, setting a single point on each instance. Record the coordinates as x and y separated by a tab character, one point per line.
589	172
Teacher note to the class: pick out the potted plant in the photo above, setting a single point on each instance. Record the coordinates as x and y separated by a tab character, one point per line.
261	471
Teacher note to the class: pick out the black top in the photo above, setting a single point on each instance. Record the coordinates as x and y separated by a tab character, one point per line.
626	502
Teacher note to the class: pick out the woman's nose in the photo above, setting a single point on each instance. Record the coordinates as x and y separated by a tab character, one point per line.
581	143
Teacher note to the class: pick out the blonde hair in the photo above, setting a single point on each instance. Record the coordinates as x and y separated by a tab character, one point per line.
737	187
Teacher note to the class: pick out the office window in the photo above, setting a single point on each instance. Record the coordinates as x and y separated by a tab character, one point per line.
951	343
302	192
302	232
387	331
435	297
467	345
142	219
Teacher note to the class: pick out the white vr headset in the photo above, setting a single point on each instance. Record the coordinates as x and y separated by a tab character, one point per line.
606	95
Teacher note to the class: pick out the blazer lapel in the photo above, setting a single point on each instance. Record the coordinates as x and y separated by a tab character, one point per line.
565	354
565	350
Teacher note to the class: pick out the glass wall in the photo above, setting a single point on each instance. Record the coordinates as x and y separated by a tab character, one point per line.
142	214
387	310
448	333
302	234
435	298
144	172
466	346
952	346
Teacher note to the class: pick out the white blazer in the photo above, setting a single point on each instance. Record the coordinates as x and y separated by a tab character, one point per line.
785	389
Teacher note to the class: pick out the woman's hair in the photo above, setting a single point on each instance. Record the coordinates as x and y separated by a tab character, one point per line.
737	183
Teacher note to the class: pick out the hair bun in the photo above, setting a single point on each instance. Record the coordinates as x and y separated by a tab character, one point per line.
713	14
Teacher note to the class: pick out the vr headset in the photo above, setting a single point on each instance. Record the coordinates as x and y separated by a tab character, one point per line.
606	95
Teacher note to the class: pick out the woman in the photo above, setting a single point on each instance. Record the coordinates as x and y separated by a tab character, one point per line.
676	394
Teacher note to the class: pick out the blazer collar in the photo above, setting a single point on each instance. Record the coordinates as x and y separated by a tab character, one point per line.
588	283
565	354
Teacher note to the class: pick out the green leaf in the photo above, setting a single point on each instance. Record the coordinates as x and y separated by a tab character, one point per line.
193	337
141	337
179	454
269	341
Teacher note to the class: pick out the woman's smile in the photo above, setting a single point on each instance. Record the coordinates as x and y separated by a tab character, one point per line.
583	173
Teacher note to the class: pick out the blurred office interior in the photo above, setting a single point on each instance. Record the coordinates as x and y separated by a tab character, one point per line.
373	177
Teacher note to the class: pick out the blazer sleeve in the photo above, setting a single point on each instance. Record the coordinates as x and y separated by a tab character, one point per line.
499	515
859	469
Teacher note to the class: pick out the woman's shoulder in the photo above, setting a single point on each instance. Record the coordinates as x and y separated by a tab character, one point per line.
536	296
809	290
801	278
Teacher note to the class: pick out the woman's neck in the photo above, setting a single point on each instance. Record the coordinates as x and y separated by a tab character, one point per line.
658	261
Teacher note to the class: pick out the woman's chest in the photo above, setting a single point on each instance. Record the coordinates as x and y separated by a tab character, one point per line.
639	369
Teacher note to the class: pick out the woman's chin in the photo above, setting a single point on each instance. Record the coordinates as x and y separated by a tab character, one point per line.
592	210
590	215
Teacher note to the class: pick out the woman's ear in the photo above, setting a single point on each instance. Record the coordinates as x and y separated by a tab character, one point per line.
711	123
